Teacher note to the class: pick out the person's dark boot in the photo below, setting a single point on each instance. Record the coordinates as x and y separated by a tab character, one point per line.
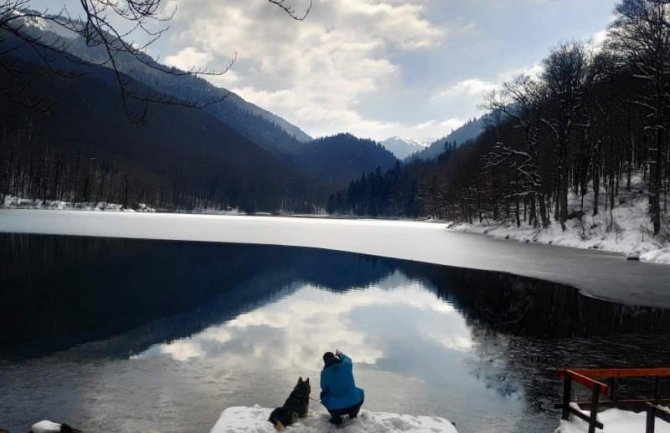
336	420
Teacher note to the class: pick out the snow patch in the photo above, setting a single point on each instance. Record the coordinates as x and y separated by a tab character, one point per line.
614	421
657	256
255	420
218	211
13	202
49	25
45	427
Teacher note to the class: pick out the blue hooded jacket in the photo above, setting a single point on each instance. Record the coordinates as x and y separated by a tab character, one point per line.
338	389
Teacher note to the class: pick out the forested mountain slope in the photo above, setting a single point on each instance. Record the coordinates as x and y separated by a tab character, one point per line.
283	139
470	130
82	148
337	159
256	124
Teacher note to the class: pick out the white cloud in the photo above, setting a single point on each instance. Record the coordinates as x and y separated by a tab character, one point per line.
451	124
533	71
189	58
315	73
375	63
473	88
597	41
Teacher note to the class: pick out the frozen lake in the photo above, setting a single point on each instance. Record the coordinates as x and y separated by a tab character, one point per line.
126	335
603	275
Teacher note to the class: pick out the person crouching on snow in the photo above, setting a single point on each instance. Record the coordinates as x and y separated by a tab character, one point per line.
339	393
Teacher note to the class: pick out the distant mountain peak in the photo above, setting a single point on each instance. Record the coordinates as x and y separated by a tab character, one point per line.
402	147
470	130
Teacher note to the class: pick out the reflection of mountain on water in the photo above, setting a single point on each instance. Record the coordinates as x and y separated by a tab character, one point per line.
61	291
126	295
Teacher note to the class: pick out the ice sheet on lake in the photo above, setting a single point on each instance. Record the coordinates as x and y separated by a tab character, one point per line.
255	420
603	275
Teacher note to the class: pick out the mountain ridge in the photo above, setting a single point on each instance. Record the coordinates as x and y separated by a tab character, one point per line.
469	131
403	147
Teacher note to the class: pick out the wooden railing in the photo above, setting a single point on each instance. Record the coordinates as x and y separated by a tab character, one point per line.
588	378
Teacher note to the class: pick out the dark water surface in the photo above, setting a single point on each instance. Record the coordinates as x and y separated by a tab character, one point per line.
115	335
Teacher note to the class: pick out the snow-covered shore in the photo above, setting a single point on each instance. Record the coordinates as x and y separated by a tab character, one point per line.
629	242
255	420
626	229
12	202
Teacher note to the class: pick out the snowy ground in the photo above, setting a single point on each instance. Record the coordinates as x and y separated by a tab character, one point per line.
12	202
614	421
255	420
627	229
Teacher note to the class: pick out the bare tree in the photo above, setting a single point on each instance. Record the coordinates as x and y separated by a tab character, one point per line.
101	25
641	33
564	73
521	99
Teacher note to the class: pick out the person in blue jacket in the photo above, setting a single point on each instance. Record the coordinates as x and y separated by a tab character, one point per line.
339	393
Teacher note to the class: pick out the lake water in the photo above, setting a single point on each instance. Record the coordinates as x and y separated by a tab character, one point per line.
161	336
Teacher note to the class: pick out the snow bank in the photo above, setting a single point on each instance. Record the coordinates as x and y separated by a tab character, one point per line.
657	256
217	211
255	420
13	202
627	229
614	421
45	426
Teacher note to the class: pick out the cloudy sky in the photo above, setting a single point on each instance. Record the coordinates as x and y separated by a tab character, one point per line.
376	68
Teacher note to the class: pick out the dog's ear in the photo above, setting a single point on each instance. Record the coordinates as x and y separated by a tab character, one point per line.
299	380
307	381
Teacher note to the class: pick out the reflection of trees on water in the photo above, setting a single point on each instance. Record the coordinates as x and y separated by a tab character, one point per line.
59	291
123	296
535	308
524	329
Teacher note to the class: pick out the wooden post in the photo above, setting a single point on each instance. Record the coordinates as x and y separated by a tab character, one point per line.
594	408
567	391
657	388
651	419
614	390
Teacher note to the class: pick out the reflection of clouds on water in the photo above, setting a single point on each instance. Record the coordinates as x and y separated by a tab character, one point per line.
296	330
413	351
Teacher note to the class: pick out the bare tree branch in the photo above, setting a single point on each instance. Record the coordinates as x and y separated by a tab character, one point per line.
146	19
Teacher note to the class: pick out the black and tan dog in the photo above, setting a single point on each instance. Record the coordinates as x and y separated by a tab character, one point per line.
295	406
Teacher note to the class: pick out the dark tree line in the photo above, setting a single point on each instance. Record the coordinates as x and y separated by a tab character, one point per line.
398	192
591	122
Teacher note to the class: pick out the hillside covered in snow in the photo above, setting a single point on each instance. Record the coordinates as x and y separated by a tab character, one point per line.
625	228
